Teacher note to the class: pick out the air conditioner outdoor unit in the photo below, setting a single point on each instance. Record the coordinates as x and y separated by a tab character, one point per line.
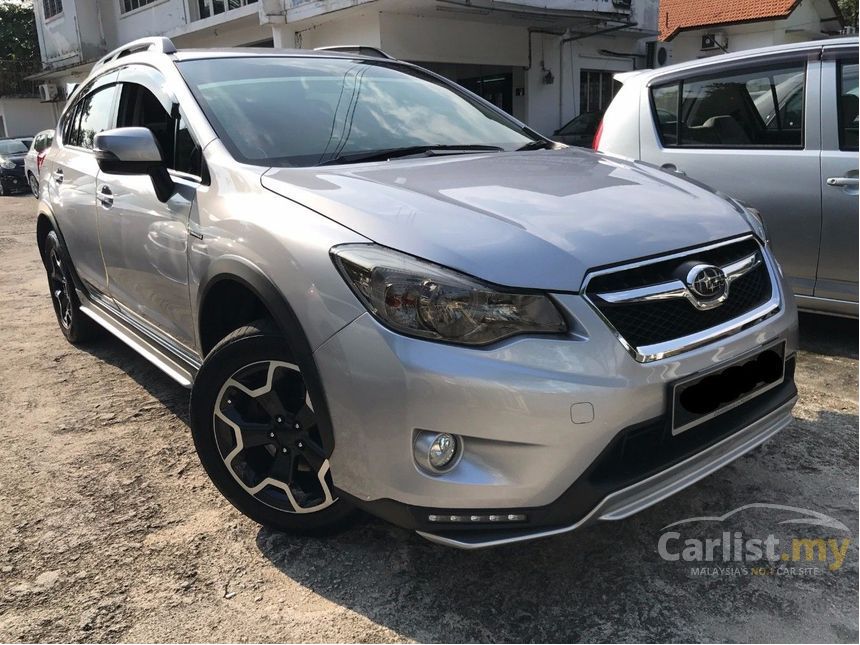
48	92
659	54
715	41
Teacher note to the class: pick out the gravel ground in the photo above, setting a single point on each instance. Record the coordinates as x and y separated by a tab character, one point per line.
110	530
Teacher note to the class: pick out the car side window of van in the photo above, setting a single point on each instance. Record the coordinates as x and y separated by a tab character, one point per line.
751	108
848	105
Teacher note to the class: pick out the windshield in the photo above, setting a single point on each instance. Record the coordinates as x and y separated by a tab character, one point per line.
305	111
14	147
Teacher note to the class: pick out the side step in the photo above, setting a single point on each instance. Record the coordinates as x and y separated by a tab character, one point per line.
179	370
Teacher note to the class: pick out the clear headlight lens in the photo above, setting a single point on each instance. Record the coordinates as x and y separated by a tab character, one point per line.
752	216
7	164
422	299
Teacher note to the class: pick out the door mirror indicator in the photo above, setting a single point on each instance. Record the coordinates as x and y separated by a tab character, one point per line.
134	151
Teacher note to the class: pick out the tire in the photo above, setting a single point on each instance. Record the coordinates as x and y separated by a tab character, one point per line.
76	326
3	190
255	431
34	185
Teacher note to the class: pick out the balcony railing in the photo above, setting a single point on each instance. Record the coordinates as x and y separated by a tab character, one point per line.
13	75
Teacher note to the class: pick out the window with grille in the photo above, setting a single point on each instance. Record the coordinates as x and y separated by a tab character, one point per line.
52	7
596	89
208	8
131	5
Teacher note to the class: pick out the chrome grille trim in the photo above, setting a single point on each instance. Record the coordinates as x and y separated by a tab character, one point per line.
677	289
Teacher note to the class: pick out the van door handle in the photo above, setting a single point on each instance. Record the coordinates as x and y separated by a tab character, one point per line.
670	167
853	182
58	175
105	196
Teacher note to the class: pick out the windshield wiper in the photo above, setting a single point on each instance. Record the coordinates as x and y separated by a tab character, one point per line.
540	144
392	153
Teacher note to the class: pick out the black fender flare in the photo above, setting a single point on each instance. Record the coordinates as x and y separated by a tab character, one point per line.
251	277
55	226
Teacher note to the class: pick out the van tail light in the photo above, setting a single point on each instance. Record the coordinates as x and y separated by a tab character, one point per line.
40	159
596	141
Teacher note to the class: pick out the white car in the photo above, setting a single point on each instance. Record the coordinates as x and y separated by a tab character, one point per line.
33	160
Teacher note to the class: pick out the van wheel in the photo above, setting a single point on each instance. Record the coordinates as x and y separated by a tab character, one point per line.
256	433
76	326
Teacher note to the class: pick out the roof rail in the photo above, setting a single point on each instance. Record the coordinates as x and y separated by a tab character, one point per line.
157	44
361	50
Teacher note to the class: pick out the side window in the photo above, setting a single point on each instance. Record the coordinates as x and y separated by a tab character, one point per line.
760	108
848	105
139	107
90	115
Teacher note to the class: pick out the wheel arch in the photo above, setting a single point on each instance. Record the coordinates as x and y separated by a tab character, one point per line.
45	223
241	272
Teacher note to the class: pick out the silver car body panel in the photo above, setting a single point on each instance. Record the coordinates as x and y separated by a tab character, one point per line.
523	219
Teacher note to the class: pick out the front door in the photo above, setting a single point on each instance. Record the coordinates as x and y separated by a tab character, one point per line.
837	265
144	240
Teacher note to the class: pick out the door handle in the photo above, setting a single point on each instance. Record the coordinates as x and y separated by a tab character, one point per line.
853	182
670	167
105	196
58	175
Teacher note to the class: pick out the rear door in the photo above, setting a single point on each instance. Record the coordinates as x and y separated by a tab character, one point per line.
837	265
71	180
750	130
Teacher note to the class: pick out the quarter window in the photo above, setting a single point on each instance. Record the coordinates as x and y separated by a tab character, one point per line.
748	109
848	106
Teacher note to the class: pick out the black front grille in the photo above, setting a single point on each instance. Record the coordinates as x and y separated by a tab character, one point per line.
647	323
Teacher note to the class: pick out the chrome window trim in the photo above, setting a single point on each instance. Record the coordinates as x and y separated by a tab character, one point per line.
669	348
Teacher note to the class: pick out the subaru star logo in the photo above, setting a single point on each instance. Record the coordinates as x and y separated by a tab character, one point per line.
707	281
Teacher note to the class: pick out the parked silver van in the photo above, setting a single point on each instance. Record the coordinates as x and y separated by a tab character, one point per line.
775	128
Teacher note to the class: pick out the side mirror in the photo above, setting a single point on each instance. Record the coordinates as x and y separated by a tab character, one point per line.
133	151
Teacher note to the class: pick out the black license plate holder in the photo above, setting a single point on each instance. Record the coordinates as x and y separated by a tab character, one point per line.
706	395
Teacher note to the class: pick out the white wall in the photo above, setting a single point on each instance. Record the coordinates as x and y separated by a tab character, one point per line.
803	24
153	19
441	40
24	117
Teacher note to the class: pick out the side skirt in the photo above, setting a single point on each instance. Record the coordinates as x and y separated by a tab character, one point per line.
180	369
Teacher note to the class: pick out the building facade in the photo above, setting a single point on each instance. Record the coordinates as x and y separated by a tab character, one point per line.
700	28
544	61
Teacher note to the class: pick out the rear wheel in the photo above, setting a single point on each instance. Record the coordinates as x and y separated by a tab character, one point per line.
256	431
34	185
74	324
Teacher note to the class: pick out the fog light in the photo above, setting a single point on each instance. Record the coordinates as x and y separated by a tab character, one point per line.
436	452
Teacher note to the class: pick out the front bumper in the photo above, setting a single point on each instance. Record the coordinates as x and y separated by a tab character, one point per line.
13	179
541	418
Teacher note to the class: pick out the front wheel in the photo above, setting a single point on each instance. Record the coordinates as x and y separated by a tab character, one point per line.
256	431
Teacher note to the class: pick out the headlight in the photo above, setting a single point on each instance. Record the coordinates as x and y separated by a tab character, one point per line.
7	164
421	299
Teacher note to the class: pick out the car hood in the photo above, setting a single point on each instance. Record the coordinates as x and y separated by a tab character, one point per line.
530	219
18	157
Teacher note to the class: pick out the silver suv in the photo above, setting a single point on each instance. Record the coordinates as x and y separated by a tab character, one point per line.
776	128
387	294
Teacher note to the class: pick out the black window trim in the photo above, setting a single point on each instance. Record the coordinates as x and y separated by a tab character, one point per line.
712	74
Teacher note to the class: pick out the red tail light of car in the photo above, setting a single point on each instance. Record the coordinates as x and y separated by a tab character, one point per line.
40	159
596	141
